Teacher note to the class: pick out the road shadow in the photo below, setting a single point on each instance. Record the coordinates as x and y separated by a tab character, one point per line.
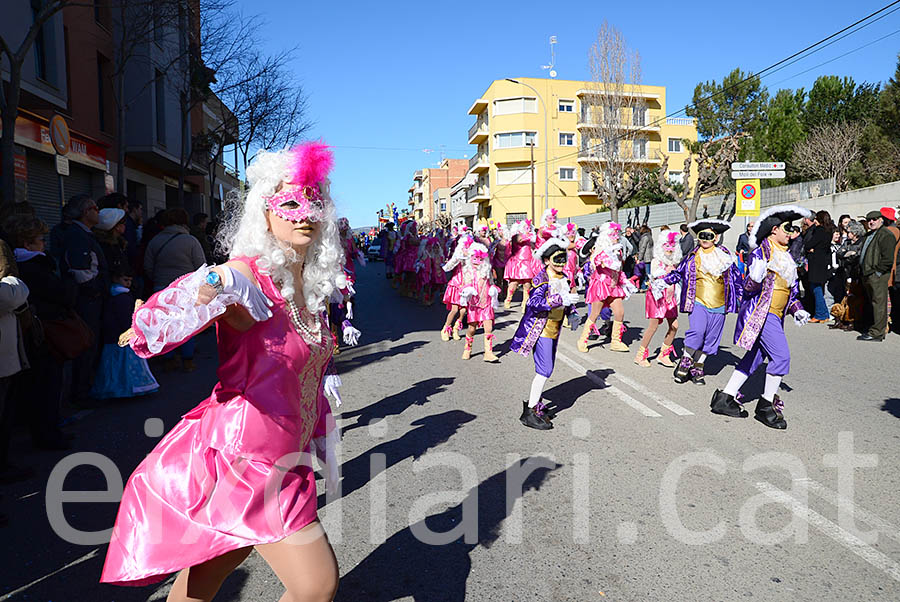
396	404
430	560
346	364
430	432
892	407
564	395
720	361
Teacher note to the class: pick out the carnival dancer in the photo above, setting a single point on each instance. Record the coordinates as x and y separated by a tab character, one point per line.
351	253
519	270
479	296
498	250
549	228
405	260
551	300
608	286
710	288
388	251
456	309
661	302
234	474
771	290
429	273
572	269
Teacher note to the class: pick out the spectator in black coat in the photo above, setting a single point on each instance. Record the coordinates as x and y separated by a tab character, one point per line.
817	245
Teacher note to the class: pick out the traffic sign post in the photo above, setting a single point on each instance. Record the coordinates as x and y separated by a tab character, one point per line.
61	141
747	197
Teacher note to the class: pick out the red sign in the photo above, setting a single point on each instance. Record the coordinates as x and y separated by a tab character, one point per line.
37	136
748	191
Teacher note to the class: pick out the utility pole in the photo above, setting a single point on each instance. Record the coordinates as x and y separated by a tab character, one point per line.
533	215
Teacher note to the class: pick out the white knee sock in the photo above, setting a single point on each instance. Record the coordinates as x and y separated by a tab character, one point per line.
771	388
537	387
702	358
737	380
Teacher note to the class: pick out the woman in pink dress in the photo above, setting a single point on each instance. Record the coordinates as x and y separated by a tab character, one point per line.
662	300
520	267
608	285
405	260
479	296
498	249
456	309
235	474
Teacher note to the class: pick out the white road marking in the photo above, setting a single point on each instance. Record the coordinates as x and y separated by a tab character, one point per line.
616	392
87	556
650	394
842	536
834	498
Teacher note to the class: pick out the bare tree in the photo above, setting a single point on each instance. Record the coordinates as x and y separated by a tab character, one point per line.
713	159
828	152
10	94
613	147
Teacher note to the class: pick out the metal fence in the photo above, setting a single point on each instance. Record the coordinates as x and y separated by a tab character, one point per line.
717	206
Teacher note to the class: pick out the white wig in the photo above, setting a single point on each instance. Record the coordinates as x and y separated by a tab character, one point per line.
609	238
245	232
672	257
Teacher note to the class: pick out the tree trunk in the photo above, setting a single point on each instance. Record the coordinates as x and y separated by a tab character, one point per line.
8	140
120	131
614	212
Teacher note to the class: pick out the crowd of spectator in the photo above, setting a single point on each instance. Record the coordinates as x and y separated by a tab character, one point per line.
67	293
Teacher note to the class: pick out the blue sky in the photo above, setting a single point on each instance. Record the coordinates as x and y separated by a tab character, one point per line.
401	75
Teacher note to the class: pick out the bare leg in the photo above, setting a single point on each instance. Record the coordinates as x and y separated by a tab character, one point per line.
488	326
673	329
618	309
649	332
305	564
513	285
451	316
200	583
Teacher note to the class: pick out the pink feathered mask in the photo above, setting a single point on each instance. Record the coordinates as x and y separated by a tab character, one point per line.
302	196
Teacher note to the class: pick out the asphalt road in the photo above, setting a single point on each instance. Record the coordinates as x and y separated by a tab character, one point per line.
639	493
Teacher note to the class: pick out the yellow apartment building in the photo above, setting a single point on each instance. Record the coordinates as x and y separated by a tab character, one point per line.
510	117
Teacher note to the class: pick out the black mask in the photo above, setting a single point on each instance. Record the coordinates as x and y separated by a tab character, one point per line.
706	235
559	258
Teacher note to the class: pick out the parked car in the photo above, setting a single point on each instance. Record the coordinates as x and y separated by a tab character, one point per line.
373	253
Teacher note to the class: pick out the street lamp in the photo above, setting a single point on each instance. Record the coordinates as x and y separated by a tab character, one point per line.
546	142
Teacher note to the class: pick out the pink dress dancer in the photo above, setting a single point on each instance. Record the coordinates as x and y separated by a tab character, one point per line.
208	486
661	302
479	296
456	309
520	266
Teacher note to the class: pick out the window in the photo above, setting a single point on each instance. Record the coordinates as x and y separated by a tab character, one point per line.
640	148
511	106
639	118
675	145
566	139
160	90
566	106
516	175
40	46
101	99
443	206
567	174
676	177
512	218
515	139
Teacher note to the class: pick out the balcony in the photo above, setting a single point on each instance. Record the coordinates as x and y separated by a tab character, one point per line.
591	156
458	209
419	176
478	194
478	106
599	92
586	185
644	124
680	121
478	133
479	163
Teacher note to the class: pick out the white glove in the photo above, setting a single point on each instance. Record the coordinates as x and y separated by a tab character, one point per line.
466	294
629	288
494	292
247	294
349	310
579	279
332	385
801	317
569	299
351	334
658	288
758	269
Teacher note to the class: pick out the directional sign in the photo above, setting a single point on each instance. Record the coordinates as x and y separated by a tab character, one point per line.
767	174
750	165
747	197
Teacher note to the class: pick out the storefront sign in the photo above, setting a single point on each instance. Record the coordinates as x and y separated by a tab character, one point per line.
36	136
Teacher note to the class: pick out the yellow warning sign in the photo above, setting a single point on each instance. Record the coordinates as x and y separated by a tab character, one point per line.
747	198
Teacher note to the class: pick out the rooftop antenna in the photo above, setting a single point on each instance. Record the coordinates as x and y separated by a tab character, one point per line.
552	57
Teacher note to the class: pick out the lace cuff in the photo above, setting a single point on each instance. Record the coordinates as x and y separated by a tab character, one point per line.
172	316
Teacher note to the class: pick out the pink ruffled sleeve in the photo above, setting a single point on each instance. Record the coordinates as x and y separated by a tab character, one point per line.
172	316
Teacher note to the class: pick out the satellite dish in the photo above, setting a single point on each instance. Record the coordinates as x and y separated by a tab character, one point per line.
552	73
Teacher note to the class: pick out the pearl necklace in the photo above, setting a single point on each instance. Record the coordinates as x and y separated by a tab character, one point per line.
309	333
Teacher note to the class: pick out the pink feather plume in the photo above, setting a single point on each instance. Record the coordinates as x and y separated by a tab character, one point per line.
310	163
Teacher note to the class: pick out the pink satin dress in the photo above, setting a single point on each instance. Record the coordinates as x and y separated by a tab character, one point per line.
606	283
454	286
520	266
665	307
228	475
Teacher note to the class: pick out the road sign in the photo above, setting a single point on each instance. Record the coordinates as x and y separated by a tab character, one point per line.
747	197
62	165
751	165
59	134
764	174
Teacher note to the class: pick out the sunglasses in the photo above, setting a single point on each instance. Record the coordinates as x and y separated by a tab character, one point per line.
706	235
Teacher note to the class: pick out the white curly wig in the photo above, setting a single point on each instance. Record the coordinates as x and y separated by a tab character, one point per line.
245	233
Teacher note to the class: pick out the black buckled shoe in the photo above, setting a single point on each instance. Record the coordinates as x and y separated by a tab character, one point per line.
535	418
769	413
683	369
697	374
726	405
